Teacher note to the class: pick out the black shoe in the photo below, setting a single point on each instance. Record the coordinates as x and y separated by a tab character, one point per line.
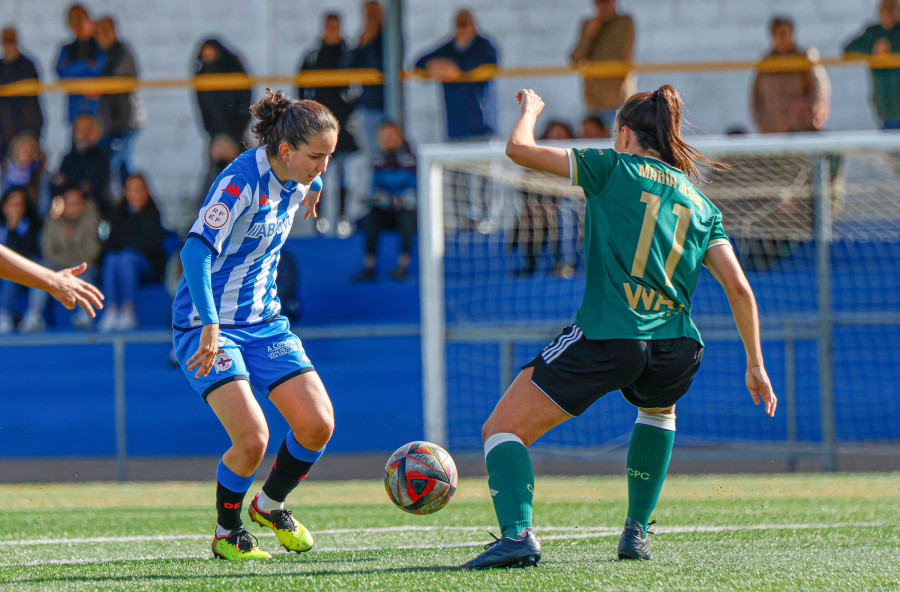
633	542
522	551
398	273
366	274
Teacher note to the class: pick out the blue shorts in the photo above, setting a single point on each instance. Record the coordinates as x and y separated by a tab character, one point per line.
266	355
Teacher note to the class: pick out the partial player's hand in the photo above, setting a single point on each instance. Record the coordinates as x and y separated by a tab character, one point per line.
529	102
73	291
759	386
310	200
205	357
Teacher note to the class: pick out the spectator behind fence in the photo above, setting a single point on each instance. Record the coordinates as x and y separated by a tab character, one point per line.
82	58
20	228
470	106
25	166
121	114
86	165
133	254
332	53
392	205
793	101
222	111
592	127
878	40
369	112
23	114
71	237
606	36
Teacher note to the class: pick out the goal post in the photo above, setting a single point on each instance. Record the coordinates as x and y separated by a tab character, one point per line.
815	219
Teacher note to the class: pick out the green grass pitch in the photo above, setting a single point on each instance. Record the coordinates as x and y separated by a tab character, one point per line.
771	532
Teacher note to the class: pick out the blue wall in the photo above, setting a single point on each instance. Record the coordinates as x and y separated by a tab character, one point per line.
59	400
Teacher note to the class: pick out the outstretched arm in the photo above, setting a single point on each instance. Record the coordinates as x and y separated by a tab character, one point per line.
727	271
196	259
521	147
62	285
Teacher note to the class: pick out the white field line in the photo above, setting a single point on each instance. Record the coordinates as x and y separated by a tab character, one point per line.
572	533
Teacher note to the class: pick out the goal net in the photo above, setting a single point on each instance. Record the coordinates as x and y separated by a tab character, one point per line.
815	221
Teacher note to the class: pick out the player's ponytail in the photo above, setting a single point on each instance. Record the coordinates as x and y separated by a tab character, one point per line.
655	118
288	120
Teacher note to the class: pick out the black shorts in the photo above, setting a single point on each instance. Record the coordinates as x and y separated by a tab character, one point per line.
575	371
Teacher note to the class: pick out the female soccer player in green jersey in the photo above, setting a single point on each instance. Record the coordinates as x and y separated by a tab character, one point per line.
647	232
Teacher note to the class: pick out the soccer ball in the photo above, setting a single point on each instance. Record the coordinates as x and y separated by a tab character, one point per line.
420	477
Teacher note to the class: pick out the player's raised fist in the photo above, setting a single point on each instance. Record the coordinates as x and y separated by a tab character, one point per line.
529	101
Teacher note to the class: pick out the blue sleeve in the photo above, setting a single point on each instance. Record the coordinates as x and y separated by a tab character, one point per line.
317	184
196	258
440	52
487	54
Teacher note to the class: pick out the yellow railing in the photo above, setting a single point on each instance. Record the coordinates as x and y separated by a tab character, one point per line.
370	76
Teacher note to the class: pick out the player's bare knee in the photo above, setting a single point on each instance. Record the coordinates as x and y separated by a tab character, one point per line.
251	449
315	435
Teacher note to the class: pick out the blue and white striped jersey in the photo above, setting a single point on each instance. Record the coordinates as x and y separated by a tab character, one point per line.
245	220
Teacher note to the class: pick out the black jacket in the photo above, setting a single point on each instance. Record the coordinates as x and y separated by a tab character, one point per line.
90	171
332	56
18	114
142	231
223	111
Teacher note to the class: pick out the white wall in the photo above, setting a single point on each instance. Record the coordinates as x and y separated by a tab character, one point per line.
272	35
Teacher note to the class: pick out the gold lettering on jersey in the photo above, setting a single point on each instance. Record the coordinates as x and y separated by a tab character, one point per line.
637	294
666	178
663	301
633	296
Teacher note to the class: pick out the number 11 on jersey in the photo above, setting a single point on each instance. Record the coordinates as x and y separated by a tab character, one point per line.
651	214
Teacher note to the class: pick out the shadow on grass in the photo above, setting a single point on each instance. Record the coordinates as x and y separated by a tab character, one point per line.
49	580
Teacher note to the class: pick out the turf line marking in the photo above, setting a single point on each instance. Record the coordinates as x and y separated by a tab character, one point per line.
585	533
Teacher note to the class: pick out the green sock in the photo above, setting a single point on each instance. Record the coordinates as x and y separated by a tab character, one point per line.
511	480
649	453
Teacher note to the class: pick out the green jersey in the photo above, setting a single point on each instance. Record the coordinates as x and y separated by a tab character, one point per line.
646	232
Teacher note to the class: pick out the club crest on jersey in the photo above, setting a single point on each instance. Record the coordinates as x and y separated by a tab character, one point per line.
267	229
216	216
222	362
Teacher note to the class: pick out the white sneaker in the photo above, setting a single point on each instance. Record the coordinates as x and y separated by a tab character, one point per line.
82	320
127	321
32	323
6	323
109	322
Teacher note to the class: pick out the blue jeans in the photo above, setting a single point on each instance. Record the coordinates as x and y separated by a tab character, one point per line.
10	291
123	272
118	148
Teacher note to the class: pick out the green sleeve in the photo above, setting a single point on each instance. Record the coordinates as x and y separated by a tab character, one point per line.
717	234
592	168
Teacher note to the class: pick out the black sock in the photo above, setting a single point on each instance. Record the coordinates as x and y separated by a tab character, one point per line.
228	507
287	472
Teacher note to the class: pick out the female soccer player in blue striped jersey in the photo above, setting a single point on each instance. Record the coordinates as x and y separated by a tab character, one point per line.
647	233
228	333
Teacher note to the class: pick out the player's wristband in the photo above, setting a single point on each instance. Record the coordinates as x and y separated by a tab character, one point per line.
317	184
196	259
